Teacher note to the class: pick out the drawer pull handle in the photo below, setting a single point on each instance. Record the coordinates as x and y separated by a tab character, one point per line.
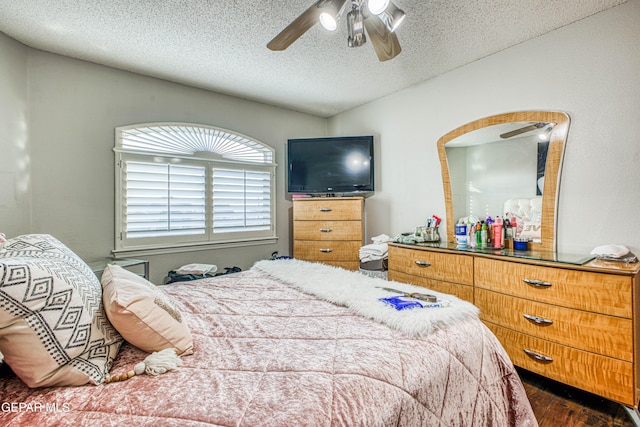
325	230
537	319
539	357
325	209
326	250
537	283
423	263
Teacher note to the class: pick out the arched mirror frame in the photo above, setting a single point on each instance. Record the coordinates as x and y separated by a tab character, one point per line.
552	172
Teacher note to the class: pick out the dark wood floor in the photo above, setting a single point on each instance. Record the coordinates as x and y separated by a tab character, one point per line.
558	405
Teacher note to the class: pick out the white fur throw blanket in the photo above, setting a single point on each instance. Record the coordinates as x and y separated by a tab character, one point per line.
361	294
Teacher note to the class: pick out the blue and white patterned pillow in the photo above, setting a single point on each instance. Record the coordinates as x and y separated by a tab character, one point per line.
48	291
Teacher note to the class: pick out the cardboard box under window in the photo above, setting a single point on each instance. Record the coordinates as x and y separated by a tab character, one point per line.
376	268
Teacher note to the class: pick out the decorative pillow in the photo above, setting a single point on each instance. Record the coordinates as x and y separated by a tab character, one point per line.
144	315
53	328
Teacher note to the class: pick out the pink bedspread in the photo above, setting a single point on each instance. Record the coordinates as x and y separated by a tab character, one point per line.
268	355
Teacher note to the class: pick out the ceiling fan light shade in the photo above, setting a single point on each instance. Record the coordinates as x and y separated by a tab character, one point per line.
355	29
546	133
331	14
328	22
376	7
392	16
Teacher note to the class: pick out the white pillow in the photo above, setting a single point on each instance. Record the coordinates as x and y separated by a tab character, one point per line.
143	314
53	328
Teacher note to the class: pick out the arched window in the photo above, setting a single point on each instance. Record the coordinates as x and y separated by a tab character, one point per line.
182	185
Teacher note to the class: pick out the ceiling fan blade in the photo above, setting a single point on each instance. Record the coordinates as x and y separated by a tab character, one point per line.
522	130
298	27
384	42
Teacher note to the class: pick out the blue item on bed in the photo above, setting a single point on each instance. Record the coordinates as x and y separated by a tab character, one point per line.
402	303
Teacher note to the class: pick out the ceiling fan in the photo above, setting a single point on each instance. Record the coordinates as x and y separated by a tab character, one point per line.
522	130
380	18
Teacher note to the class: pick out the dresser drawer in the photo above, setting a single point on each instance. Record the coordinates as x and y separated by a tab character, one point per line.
464	292
597	292
328	230
596	333
604	376
326	251
432	265
329	209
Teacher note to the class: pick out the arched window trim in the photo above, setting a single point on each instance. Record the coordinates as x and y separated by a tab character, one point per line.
212	150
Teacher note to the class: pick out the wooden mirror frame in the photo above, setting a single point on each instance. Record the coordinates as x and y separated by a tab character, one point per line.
553	168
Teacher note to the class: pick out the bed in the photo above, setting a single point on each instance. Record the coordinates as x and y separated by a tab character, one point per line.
271	347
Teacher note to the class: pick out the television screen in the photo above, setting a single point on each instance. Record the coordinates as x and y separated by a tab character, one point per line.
330	165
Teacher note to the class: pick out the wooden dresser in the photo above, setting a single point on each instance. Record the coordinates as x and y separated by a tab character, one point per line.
574	323
329	230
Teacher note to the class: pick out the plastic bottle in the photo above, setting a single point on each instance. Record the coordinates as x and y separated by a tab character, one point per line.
507	230
483	235
472	235
489	222
461	233
497	233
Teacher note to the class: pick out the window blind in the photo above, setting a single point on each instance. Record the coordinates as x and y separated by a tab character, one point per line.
164	199
241	200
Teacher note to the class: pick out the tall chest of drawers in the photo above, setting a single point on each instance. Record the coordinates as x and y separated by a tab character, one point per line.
577	324
328	230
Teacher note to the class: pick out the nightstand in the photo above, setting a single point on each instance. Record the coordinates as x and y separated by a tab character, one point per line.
134	265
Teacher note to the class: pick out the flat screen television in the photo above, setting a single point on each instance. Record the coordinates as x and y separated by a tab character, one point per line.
332	165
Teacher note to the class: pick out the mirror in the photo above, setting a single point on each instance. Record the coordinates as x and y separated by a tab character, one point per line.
506	163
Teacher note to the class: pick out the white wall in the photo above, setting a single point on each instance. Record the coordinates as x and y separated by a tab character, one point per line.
589	69
74	107
15	180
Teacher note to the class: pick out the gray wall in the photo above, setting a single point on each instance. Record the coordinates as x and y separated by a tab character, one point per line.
15	160
589	69
73	108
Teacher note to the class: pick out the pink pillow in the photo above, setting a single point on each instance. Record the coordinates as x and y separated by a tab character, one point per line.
144	315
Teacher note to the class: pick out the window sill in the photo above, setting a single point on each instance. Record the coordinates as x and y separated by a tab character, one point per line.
189	247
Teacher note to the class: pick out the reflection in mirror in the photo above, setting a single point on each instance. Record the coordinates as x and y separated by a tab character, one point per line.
507	166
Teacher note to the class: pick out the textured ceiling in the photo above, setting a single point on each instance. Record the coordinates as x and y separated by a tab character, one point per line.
220	45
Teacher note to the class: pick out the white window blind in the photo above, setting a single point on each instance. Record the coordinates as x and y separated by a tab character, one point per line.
241	200
181	185
164	200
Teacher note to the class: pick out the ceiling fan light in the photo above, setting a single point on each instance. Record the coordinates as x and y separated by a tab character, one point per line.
328	22
546	133
377	6
392	17
332	11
